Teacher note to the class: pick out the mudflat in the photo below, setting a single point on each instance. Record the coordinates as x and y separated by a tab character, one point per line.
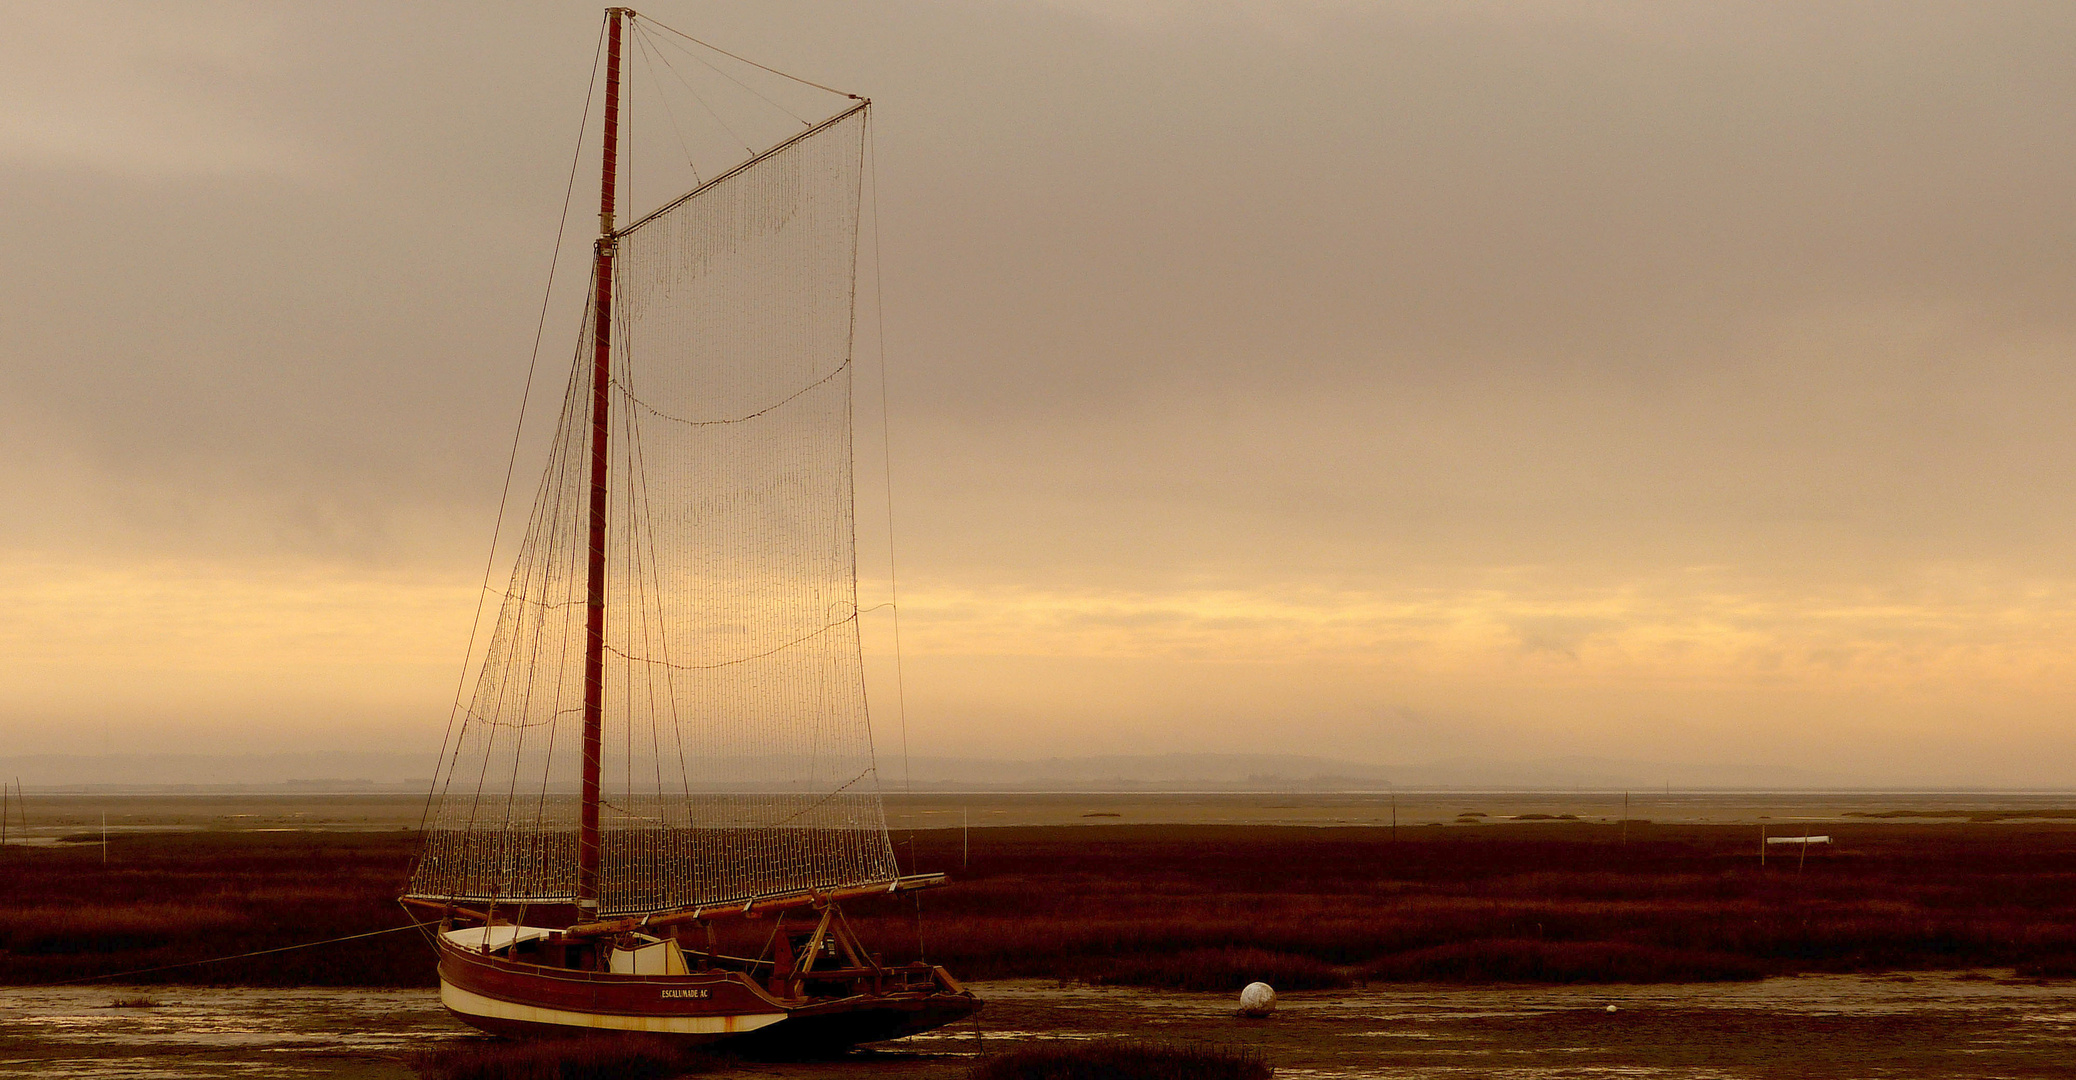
1826	1027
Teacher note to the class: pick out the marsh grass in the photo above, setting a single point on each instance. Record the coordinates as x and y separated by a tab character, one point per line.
176	898
2057	966
1548	901
1209	907
1113	1059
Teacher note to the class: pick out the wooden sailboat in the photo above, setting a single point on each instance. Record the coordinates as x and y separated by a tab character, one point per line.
668	742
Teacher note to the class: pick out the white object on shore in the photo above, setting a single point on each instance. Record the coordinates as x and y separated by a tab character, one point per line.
1258	999
1611	1008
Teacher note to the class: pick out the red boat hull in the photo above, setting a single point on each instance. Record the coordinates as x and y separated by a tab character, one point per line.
518	999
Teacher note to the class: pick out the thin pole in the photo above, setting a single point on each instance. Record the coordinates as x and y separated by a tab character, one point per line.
3	815
1625	817
601	406
965	840
104	838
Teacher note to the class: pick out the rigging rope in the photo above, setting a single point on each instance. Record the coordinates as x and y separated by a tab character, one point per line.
879	327
886	436
235	956
752	63
840	369
696	96
633	659
804	122
737	736
525	396
669	114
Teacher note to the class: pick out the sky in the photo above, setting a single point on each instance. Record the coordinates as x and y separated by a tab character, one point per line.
1391	382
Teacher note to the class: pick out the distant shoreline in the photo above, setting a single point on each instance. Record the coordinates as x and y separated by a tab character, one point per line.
334	771
353	787
51	813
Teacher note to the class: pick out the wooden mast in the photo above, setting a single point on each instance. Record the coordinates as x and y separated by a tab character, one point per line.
601	405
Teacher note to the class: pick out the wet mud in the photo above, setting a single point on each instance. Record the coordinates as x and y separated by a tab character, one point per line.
1967	1024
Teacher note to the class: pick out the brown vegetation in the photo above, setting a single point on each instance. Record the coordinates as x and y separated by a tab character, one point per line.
1199	907
174	898
1548	901
1112	1059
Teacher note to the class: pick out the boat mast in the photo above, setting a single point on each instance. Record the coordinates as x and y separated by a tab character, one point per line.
601	403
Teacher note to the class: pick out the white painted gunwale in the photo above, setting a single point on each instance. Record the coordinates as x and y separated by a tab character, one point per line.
470	1003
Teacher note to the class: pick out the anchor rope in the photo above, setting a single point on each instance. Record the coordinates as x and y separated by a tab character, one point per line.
233	956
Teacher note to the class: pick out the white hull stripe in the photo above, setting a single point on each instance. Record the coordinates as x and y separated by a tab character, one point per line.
471	1004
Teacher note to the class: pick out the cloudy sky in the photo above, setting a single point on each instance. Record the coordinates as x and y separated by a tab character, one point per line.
1388	381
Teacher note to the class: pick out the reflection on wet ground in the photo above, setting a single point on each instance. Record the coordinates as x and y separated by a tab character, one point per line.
191	1032
1921	1026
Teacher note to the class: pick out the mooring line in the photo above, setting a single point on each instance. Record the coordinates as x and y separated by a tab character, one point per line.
221	959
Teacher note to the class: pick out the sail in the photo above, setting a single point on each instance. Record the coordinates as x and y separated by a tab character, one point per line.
736	752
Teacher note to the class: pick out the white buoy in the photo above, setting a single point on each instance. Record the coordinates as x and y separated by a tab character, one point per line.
1258	999
1611	1008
